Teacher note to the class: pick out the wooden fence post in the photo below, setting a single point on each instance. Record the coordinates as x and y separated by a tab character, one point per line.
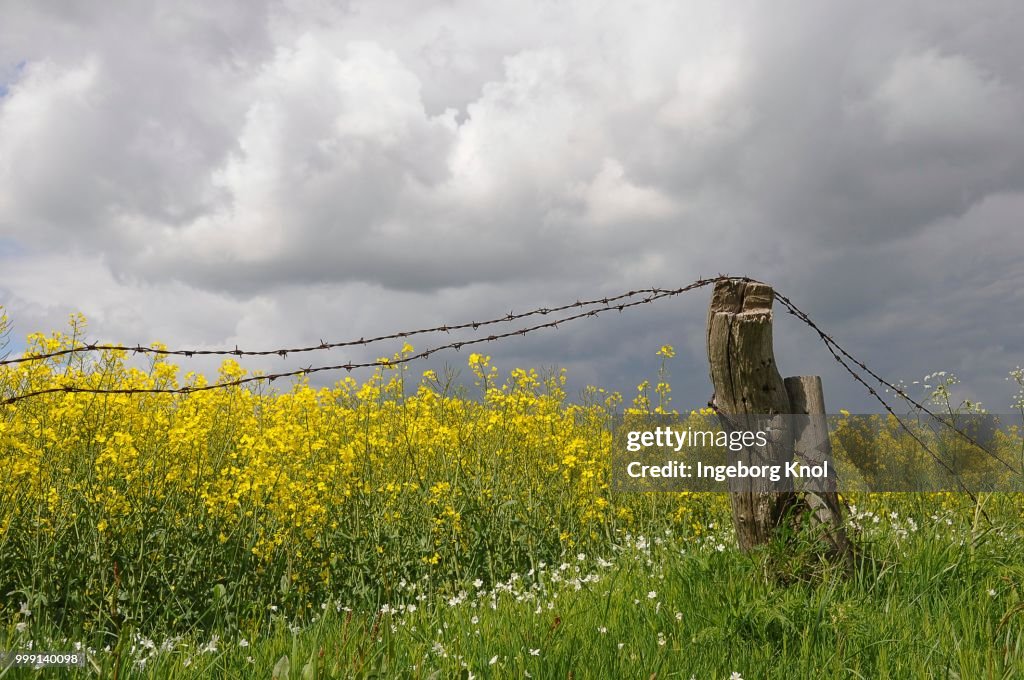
747	385
751	394
811	446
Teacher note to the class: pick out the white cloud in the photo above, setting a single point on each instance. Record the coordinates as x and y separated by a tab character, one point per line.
612	199
940	100
42	143
322	130
707	101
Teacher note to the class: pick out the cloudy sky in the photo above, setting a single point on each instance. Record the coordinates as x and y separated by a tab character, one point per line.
264	174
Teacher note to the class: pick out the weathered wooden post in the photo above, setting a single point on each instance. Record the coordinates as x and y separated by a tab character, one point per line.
751	394
811	446
747	385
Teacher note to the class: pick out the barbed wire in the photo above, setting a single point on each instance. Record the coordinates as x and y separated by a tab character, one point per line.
842	356
615	303
284	352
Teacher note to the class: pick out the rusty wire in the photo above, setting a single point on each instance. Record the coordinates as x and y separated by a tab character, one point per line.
284	352
844	358
608	304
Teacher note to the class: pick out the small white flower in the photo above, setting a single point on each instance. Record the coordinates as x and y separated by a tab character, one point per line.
211	646
735	676
475	620
661	640
651	595
478	584
494	660
991	592
534	652
679	616
243	643
602	630
21	626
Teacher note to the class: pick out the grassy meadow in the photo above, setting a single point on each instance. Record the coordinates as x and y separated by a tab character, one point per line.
404	526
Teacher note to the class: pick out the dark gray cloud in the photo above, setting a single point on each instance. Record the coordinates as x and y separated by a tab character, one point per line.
278	172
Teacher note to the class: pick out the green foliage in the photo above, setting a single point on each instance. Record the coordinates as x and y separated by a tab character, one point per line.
937	595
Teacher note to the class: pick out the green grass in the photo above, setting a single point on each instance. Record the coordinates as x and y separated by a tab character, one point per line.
936	594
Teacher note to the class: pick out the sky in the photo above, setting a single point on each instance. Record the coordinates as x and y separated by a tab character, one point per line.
267	173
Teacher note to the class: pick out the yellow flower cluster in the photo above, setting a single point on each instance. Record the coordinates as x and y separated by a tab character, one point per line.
340	487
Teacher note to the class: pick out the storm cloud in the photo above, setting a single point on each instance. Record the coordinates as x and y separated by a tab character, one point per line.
262	173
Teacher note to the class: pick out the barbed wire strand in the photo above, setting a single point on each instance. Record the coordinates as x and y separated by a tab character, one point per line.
284	352
839	352
726	418
270	377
